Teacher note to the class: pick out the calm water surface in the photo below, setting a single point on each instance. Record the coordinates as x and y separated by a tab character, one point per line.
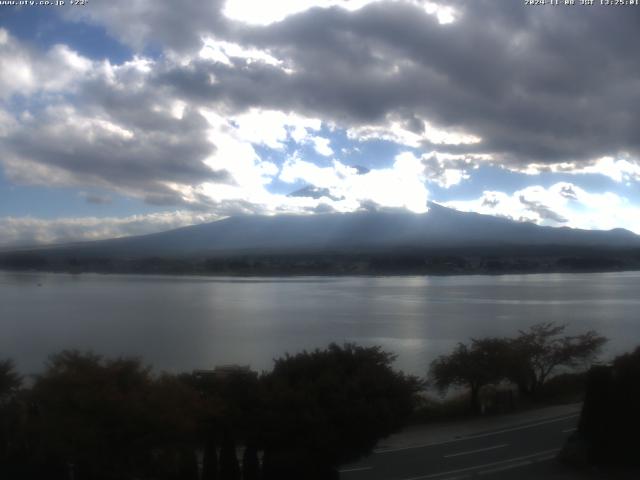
181	323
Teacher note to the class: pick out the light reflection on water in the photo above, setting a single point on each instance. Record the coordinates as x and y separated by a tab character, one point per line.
180	323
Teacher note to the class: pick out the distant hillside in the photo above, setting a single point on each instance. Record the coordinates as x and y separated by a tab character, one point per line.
348	237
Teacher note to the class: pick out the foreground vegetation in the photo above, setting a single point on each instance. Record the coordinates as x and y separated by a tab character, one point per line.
91	418
87	417
607	433
527	361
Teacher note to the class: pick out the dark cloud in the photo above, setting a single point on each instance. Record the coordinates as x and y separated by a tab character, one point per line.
148	23
491	202
567	191
140	158
115	131
537	85
313	192
542	210
96	199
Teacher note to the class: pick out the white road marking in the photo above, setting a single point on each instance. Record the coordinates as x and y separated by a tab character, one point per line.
524	463
567	430
480	435
469	452
516	461
355	469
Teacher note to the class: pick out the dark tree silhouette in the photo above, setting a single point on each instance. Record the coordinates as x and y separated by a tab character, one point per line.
188	464
528	360
328	407
210	461
108	416
610	420
482	363
100	419
229	466
10	381
250	463
10	415
539	351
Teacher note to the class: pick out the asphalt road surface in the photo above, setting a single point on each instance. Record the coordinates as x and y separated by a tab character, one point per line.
520	452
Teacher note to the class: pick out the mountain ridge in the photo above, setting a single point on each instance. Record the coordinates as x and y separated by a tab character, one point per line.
356	238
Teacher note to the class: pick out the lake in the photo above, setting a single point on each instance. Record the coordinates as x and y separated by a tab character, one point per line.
182	323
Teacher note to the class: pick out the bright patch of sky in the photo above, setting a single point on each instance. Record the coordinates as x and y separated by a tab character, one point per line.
265	13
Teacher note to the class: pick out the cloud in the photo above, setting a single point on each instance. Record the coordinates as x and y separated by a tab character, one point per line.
526	86
273	128
622	169
111	129
401	185
95	199
35	231
411	132
144	23
447	169
248	11
139	156
25	71
562	204
526	90
322	146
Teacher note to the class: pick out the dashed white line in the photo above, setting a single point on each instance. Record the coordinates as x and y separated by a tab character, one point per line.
469	452
355	469
479	435
523	463
505	464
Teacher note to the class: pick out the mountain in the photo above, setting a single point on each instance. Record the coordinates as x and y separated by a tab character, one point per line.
440	231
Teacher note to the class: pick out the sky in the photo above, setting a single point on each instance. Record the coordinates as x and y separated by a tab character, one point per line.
129	117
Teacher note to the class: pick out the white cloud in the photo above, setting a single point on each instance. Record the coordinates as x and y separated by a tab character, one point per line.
34	231
412	132
24	72
273	128
235	153
265	13
447	169
401	186
322	146
562	204
621	169
224	52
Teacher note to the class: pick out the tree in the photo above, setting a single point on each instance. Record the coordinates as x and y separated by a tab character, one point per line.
10	381
108	417
538	352
482	363
610	419
229	466
250	463
329	407
210	461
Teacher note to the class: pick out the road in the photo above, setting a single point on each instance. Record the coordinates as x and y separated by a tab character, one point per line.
504	453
